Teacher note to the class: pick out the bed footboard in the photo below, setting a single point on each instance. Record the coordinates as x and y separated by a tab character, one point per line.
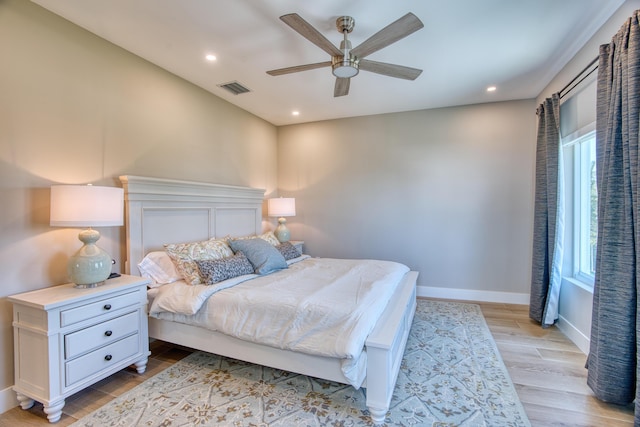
385	348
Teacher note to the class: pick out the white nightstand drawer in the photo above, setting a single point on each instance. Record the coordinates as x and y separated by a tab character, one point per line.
100	359
103	333
91	310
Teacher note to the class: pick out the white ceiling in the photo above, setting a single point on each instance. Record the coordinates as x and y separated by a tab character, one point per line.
464	47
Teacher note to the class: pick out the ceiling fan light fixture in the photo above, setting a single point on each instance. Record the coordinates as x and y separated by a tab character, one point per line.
344	68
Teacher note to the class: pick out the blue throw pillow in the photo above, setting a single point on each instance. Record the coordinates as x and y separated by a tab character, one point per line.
264	257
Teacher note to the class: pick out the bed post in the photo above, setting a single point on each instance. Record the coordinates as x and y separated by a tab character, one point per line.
385	348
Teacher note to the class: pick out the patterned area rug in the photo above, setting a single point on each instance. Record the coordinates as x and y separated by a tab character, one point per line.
451	375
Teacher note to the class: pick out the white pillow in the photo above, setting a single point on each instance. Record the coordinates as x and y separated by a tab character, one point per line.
158	267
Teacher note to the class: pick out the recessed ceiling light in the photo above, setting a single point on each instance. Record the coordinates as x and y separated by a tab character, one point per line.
491	89
210	57
295	113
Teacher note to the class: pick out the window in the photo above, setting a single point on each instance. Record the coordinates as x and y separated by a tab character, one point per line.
577	130
587	215
582	215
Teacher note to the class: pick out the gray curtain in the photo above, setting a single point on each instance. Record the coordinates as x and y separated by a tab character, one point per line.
548	221
613	355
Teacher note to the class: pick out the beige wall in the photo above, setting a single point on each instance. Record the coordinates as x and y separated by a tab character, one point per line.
448	192
76	109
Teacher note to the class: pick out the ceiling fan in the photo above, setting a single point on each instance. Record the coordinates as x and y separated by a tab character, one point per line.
346	62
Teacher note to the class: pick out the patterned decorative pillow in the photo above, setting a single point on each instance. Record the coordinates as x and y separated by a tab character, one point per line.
268	237
264	257
288	251
217	270
184	256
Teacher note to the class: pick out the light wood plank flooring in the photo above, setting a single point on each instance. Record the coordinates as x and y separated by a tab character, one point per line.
546	368
548	372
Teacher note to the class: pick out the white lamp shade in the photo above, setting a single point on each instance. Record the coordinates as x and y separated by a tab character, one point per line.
281	207
86	206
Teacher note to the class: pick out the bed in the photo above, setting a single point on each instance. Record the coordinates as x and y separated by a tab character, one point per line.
160	211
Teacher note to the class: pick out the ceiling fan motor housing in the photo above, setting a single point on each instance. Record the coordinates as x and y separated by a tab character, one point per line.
345	24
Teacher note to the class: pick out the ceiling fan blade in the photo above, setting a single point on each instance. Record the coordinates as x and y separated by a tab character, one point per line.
298	68
342	87
391	70
308	32
393	32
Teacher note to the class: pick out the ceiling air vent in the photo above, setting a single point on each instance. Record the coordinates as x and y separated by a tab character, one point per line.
234	87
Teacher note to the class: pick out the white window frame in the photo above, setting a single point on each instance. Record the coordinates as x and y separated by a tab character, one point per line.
583	273
578	184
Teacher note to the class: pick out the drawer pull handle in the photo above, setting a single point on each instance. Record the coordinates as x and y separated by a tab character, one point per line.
108	333
107	306
108	357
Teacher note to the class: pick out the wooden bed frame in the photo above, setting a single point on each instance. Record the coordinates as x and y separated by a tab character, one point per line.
162	211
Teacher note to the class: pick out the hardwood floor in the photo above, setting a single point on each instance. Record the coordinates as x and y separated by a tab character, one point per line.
546	368
548	372
163	355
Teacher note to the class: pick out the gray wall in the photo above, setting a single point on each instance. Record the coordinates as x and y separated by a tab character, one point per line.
76	109
447	191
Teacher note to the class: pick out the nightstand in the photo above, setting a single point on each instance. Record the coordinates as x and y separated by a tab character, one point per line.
66	338
298	245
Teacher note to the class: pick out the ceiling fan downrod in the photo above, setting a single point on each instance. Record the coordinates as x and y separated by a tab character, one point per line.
345	66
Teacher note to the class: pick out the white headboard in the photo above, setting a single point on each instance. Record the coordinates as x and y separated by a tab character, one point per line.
160	211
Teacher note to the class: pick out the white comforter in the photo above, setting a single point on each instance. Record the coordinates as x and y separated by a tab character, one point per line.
318	306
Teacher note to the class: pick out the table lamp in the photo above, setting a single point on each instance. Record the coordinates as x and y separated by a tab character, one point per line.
281	208
87	206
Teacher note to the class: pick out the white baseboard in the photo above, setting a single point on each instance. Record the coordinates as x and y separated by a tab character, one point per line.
8	400
574	334
473	295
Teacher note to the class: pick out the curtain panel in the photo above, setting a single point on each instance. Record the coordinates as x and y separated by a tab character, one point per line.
548	220
613	354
